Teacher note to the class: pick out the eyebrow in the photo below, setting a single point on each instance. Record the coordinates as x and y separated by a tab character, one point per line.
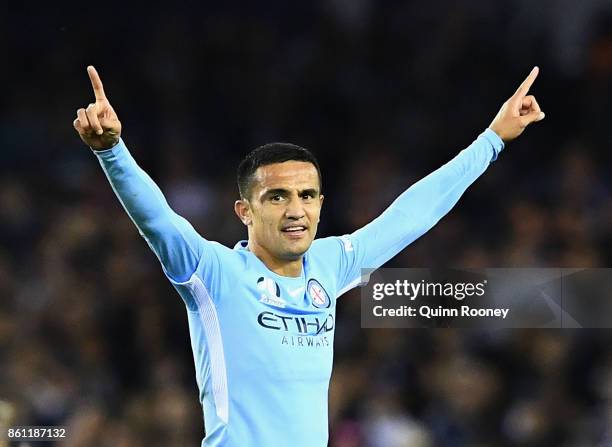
282	191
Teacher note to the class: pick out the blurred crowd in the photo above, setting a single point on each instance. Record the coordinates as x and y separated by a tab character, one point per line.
93	338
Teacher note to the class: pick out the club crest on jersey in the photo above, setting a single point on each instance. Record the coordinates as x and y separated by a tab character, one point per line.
270	292
318	295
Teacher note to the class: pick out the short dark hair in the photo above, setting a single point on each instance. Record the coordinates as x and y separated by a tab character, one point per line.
269	154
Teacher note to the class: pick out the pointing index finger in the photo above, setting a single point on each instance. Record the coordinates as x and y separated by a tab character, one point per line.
96	83
527	83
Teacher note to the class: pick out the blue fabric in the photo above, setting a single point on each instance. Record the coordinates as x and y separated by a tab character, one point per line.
263	343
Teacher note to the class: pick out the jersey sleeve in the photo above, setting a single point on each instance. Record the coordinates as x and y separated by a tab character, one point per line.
415	211
174	241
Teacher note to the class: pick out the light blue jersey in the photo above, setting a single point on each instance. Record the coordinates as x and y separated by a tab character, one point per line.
263	343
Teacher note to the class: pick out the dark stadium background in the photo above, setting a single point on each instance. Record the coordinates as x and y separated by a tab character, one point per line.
92	336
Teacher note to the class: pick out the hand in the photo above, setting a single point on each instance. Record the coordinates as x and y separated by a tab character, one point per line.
98	125
518	112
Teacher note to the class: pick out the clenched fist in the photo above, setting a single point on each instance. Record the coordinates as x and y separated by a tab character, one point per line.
518	112
98	124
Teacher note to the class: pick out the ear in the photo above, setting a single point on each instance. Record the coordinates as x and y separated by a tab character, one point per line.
321	197
242	209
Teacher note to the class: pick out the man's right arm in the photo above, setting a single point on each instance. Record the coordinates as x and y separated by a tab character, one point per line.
177	245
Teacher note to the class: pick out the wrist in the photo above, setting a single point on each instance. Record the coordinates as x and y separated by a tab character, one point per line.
107	146
496	142
496	132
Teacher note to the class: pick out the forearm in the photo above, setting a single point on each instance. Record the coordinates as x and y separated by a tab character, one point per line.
422	205
171	237
140	196
428	200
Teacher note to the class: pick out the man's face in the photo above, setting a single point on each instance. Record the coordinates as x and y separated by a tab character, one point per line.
283	209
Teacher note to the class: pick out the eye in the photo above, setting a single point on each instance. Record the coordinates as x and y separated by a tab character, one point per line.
307	196
276	198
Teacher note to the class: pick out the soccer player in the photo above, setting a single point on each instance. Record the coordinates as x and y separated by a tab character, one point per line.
261	315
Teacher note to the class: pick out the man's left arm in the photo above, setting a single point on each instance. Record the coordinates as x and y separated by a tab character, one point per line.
420	207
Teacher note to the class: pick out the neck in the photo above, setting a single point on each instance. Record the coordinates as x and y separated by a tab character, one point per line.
283	267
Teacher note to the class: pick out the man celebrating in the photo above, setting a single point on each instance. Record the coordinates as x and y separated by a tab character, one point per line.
261	315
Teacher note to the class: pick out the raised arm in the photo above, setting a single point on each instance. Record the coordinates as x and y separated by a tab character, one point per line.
420	207
177	245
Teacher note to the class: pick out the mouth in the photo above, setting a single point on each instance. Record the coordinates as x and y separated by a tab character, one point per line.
294	231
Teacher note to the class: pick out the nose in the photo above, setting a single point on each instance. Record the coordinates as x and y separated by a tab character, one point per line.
295	209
